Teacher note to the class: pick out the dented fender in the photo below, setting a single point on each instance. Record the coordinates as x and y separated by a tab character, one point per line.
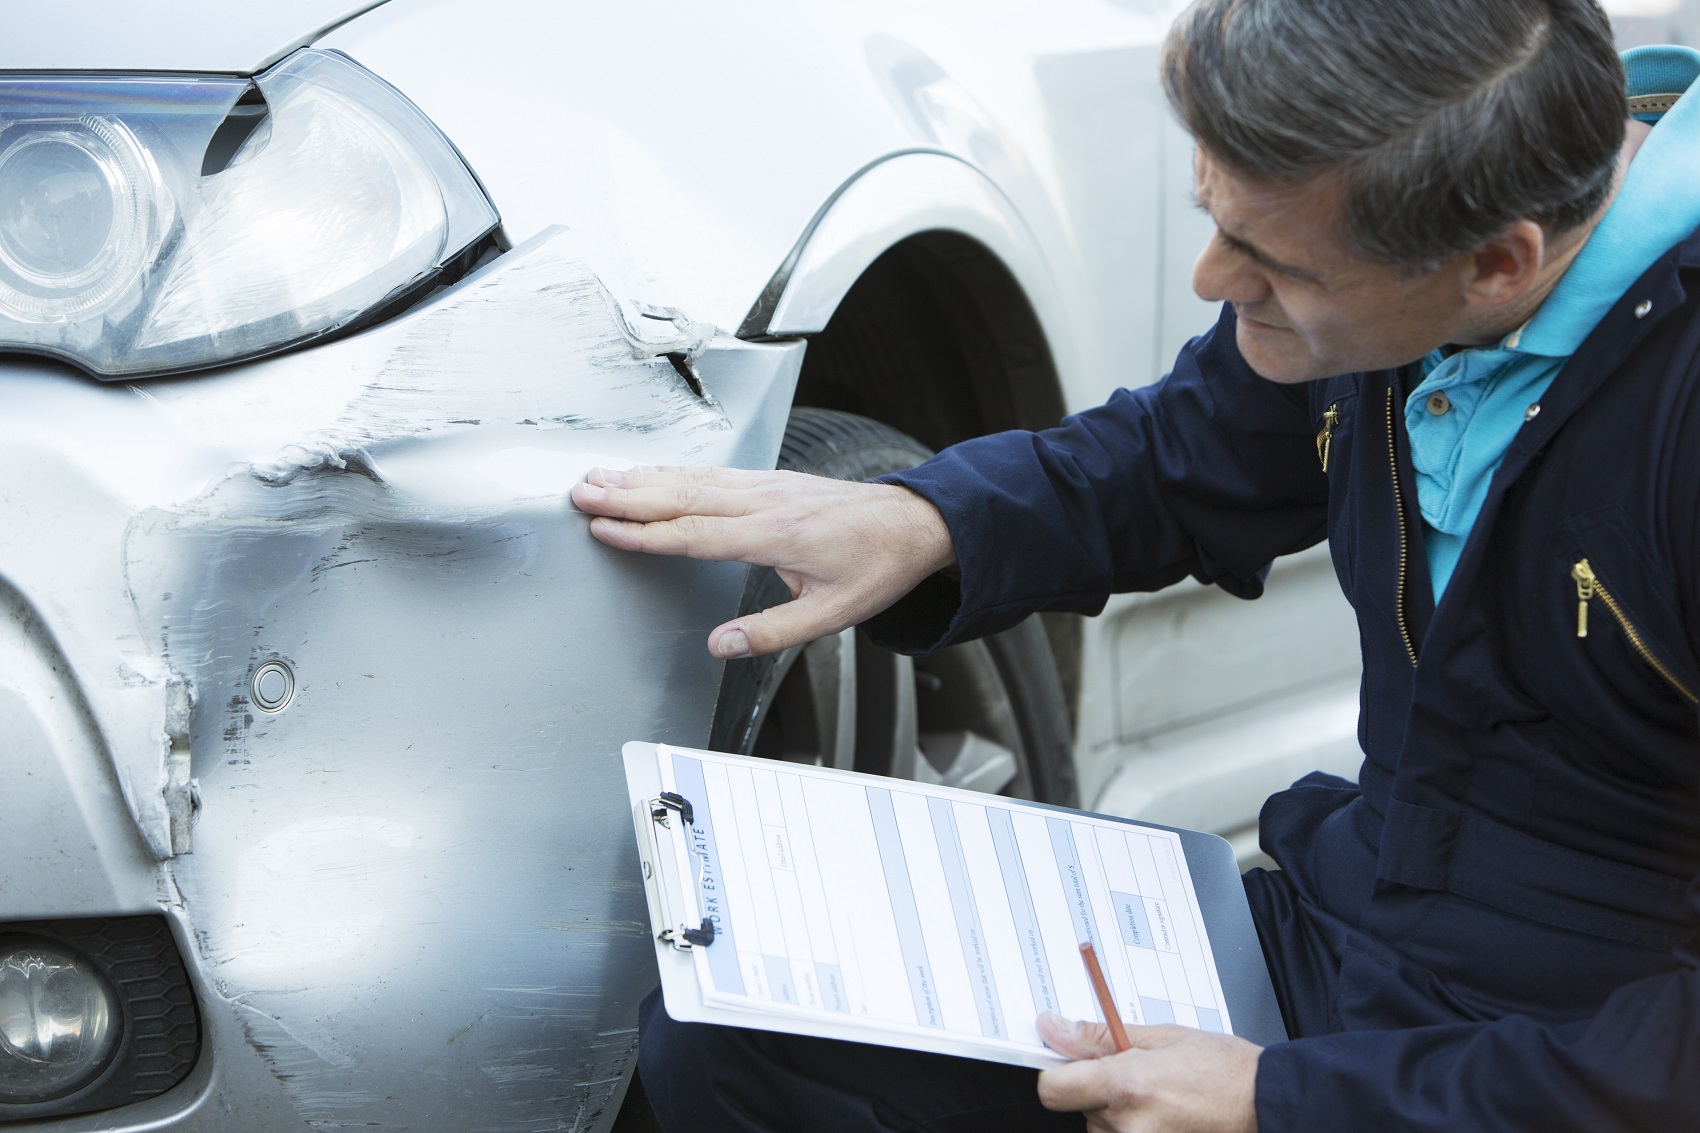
499	395
409	889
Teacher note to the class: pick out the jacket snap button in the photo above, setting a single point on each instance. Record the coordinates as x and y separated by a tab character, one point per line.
1532	412
1439	403
1642	308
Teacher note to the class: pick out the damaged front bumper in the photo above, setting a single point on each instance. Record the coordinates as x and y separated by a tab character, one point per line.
312	657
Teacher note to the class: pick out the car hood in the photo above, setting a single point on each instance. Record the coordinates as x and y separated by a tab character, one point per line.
166	35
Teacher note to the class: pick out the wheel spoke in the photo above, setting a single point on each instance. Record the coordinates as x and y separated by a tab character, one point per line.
970	761
901	735
831	666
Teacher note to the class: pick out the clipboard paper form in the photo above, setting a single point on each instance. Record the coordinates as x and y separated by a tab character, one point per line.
801	899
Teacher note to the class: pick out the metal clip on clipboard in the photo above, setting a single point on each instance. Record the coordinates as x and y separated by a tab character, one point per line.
681	935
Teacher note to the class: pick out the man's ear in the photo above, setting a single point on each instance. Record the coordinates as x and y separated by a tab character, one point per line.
1506	268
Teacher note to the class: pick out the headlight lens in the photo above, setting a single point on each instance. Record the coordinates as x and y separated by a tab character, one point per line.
74	217
119	252
58	1020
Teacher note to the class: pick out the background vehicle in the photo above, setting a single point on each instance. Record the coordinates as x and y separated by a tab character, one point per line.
313	685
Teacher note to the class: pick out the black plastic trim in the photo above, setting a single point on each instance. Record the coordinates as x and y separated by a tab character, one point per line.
159	1024
238	126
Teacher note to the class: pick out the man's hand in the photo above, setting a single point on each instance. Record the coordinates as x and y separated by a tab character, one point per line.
847	550
1174	1080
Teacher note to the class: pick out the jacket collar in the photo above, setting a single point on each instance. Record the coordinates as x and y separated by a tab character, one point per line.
1655	296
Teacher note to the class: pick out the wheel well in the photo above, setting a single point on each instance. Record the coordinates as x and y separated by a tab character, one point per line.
936	338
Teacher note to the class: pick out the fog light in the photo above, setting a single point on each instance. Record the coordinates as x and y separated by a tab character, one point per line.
58	1020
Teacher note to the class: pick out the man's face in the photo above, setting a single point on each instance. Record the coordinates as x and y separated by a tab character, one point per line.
1309	306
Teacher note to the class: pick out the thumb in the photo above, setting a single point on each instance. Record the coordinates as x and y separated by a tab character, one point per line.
1072	1039
796	622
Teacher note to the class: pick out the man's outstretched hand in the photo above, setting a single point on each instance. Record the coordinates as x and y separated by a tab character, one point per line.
1174	1080
847	550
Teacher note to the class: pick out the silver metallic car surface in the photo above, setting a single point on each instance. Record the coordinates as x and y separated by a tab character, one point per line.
312	685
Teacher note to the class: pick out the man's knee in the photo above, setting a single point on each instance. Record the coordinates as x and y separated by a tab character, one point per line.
674	1066
1303	962
712	1079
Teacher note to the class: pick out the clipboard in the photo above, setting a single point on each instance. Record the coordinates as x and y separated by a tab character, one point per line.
685	917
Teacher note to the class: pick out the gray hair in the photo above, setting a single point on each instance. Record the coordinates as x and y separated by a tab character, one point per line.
1446	120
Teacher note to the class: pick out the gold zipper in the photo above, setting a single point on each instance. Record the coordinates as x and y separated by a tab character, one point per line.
1585	583
1325	439
1588	587
1404	536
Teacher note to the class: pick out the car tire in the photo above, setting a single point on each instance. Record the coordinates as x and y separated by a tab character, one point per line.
986	715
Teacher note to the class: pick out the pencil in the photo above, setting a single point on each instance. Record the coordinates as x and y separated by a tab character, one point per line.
1106	1002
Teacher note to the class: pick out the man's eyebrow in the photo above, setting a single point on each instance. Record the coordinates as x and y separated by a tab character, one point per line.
1255	253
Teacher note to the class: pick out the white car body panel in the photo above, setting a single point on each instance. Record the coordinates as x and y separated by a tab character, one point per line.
167	35
719	139
888	202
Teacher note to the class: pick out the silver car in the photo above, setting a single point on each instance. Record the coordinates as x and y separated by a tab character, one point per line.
312	685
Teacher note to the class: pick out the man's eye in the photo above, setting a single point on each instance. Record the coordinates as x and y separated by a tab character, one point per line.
1234	245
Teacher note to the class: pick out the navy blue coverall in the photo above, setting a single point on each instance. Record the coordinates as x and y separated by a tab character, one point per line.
1498	926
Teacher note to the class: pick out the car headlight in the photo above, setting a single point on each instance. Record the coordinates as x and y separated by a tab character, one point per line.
160	224
58	1020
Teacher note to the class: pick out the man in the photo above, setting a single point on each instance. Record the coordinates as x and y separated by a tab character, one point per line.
1457	341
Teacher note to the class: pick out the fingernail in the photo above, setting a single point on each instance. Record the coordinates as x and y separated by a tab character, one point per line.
610	477
734	644
1062	1023
592	494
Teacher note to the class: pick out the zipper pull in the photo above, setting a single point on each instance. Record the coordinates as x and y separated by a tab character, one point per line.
1325	439
1585	580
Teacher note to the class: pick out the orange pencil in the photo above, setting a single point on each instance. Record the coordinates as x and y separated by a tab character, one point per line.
1118	1033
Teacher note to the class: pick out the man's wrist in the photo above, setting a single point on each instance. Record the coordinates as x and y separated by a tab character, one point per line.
926	532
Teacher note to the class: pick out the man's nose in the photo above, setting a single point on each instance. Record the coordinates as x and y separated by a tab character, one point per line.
1223	275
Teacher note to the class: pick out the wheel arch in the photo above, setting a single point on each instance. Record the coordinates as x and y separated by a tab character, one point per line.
923	250
926	301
